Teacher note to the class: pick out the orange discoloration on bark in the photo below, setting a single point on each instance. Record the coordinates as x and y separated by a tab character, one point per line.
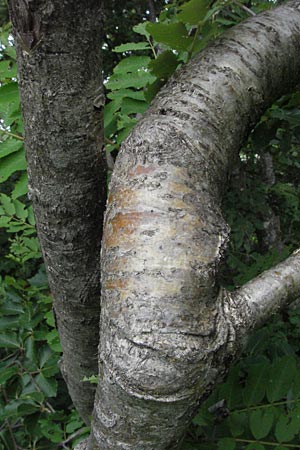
117	283
121	231
142	170
123	197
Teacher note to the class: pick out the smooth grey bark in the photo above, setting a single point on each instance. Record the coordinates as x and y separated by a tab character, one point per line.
168	333
58	54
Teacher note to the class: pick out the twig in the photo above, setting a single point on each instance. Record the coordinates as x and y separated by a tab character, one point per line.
73	436
248	10
16	136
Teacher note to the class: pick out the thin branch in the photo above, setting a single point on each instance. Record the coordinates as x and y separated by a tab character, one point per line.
15	136
73	436
248	10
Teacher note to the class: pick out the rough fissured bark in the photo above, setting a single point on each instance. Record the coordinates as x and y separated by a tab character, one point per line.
168	334
58	51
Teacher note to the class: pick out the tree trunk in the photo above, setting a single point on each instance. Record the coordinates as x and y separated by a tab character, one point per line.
168	333
58	52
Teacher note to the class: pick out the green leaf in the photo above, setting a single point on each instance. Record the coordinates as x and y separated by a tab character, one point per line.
231	391
93	379
109	111
31	216
21	212
9	100
8	322
9	340
132	64
152	89
174	35
136	80
237	423
7	204
261	422
164	65
256	383
193	11
122	93
21	186
7	373
4	221
132	46
53	341
287	426
11	164
131	106
226	444
47	385
8	69
281	377
9	146
140	28
52	431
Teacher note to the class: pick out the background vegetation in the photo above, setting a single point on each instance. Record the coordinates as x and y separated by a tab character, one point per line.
259	405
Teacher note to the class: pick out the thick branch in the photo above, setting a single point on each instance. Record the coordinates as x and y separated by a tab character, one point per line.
58	48
164	336
257	300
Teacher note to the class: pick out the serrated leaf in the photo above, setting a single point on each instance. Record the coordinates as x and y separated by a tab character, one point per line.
131	46
47	385
261	421
136	80
256	383
122	93
53	341
21	211
174	35
4	221
109	111
131	106
9	340
132	64
21	186
281	377
193	11
9	146
164	65
7	204
140	28
11	164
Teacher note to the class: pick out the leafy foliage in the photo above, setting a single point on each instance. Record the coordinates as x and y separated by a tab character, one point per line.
259	404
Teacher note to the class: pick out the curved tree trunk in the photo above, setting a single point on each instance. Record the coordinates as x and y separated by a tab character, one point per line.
168	334
58	51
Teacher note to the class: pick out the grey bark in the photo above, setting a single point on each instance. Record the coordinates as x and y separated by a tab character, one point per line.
58	51
168	333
